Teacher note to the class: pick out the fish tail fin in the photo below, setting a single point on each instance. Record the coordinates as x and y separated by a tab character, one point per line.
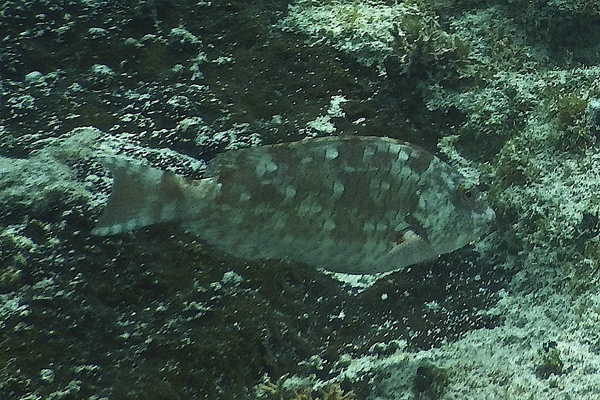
142	196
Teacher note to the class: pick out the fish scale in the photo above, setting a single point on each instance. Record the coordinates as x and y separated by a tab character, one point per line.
347	204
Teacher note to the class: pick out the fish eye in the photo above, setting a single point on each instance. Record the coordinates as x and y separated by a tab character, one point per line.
466	193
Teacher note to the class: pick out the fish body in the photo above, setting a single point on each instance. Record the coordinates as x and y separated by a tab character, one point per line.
347	204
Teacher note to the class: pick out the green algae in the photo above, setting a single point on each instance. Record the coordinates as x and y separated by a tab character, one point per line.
374	32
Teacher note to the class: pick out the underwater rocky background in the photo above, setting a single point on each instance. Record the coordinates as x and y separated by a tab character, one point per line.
507	92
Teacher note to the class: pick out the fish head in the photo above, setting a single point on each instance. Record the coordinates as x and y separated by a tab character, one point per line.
471	203
453	213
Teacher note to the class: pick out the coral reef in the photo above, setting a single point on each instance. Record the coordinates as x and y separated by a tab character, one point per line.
506	91
281	390
374	32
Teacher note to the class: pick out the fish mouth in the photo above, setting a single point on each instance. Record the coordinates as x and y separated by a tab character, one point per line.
489	215
483	219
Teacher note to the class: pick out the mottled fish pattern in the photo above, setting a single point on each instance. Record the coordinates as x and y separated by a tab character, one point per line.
347	204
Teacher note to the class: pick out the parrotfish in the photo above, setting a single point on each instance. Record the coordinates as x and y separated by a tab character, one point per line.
359	205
